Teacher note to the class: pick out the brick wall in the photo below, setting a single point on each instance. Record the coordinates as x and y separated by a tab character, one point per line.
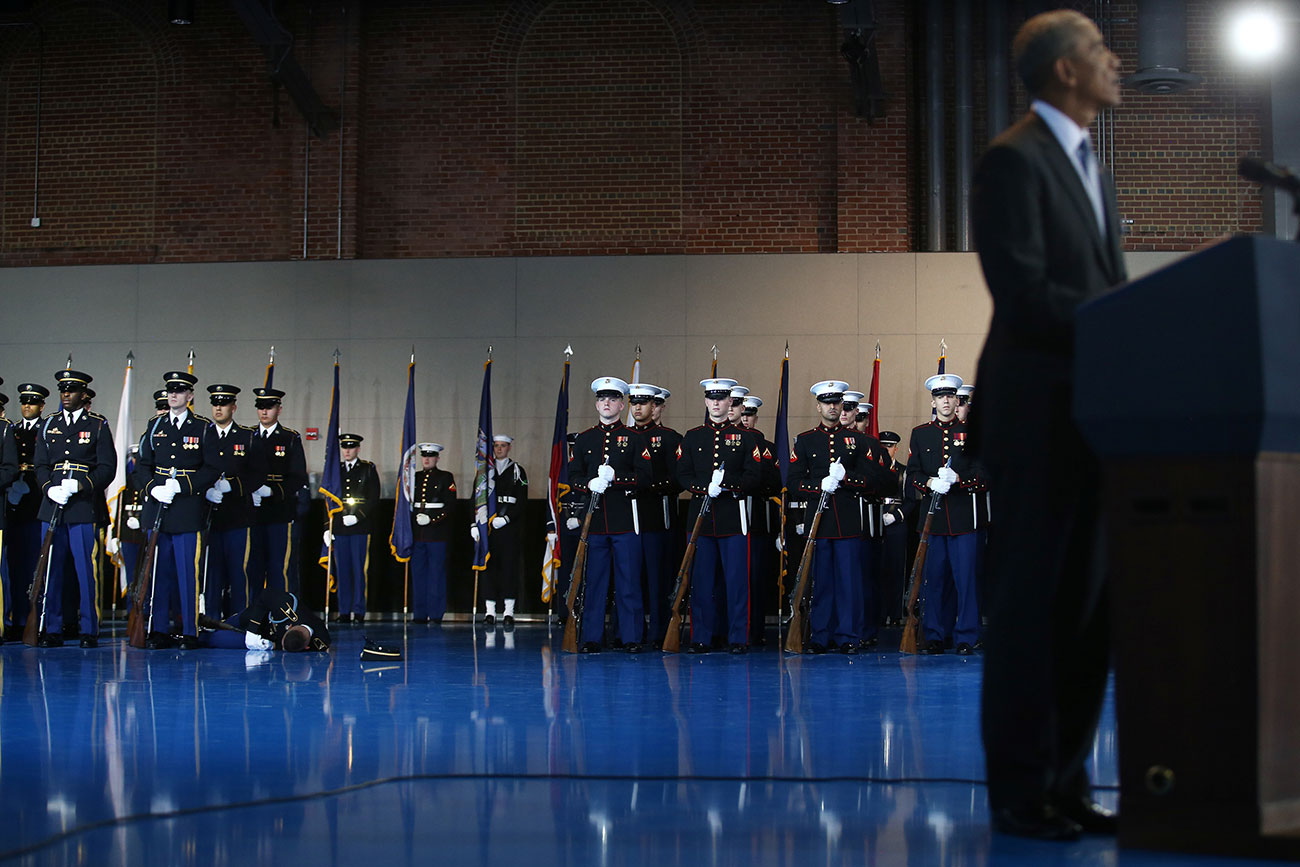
529	127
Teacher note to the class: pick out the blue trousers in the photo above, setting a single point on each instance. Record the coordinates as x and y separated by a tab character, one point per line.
227	572
732	554
837	592
619	554
656	554
269	557
871	557
951	560
352	568
21	550
429	580
82	541
175	582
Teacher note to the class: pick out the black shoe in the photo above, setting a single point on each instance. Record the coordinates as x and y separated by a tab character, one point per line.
964	649
634	647
589	647
158	641
339	618
1091	817
979	645
740	649
489	620
814	647
189	642
697	647
508	622
420	620
849	649
1036	821
49	640
89	641
931	648
870	642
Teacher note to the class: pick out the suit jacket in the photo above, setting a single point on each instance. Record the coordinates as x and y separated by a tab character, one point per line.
83	451
1042	256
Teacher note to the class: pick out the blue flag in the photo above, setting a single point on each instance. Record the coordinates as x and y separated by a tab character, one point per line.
557	483
402	540
331	477
485	491
782	435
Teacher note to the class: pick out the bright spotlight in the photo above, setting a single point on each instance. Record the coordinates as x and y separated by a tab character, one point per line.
1256	35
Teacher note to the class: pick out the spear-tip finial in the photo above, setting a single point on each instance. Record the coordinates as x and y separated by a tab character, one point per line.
337	355
568	351
271	358
877	350
715	352
638	351
413	353
130	357
69	361
489	352
787	349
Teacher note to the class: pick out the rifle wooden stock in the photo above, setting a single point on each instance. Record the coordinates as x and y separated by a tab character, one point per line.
577	575
673	638
796	635
137	622
36	611
913	624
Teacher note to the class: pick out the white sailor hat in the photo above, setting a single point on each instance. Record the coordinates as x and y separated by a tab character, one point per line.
943	383
642	390
663	395
966	391
716	388
853	398
428	450
751	405
830	390
603	384
738	392
502	438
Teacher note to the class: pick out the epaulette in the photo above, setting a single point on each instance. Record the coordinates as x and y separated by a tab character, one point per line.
290	430
202	418
90	413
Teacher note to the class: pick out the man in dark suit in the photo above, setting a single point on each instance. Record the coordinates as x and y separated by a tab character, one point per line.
1047	232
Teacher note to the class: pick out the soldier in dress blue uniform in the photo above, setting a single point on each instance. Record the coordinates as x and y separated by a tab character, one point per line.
243	470
614	461
22	542
721	462
655	510
276	501
179	461
764	524
433	497
502	579
75	462
841	463
351	528
953	538
9	474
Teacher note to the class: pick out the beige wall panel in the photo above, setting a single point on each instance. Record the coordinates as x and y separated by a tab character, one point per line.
899	380
414	298
561	296
950	294
66	305
886	293
793	294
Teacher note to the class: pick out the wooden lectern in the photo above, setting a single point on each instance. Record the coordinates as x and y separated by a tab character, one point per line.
1188	388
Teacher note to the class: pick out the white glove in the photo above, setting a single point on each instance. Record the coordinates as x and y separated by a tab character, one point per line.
133	522
112	545
70	485
222	485
606	472
889	518
830	484
173	486
573	523
715	490
422	519
837	471
473	532
938	485
948	475
780	543
327	537
717	477
498	522
551	537
213	496
162	494
349	520
253	641
798	528
257	499
263	491
597	485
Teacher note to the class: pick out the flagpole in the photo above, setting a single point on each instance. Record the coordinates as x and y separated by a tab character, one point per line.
329	548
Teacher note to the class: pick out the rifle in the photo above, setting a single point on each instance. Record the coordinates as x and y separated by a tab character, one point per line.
796	635
40	581
137	622
578	576
673	639
908	642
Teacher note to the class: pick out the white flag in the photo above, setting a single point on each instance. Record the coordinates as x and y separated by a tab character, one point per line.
122	444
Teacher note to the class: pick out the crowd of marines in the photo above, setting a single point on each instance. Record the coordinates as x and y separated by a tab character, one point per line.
226	505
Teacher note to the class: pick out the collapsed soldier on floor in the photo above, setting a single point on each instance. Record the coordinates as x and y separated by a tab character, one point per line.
275	621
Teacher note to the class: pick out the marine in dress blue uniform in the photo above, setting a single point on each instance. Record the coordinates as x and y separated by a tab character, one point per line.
719	460
764	524
351	528
840	462
276	501
22	541
656	510
243	470
179	460
433	496
614	461
75	461
953	538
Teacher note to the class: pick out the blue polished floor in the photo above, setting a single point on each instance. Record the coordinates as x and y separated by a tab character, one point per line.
487	748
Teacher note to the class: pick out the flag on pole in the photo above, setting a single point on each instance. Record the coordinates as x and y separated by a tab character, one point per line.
781	437
270	369
401	540
485	492
557	477
873	423
943	363
331	477
122	445
636	377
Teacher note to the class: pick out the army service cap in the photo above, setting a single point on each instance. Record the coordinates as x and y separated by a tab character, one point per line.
889	438
222	394
30	392
179	380
72	380
160	399
267	397
350	441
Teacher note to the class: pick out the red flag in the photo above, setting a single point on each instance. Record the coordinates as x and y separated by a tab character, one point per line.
873	417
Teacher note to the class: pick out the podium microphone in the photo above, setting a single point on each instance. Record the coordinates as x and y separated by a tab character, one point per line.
1269	175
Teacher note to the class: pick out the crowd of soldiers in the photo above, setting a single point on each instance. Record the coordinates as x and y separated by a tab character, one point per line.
225	503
